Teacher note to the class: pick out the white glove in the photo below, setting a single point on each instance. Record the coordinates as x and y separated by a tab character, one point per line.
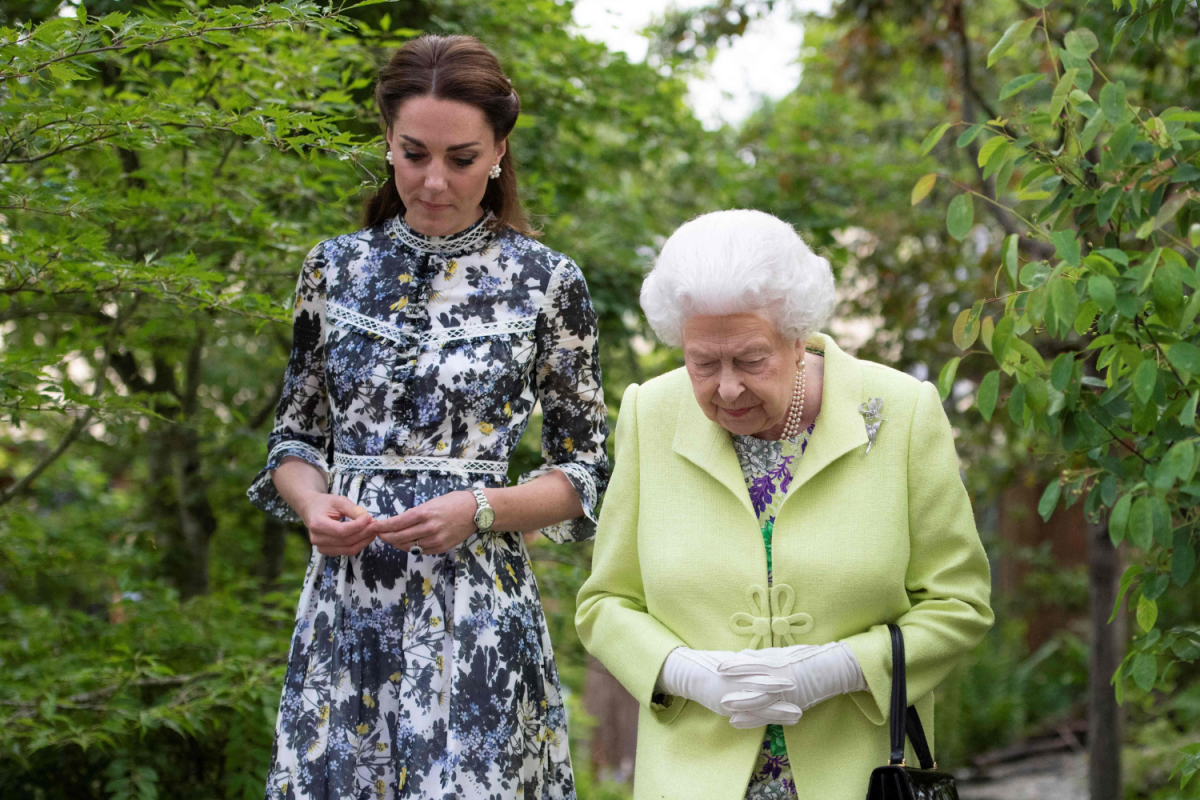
817	673
756	700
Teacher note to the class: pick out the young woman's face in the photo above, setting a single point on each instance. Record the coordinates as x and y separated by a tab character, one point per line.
442	151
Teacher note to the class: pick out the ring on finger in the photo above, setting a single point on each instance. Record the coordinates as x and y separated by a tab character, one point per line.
416	549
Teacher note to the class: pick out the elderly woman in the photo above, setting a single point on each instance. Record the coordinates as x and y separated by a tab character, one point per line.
696	559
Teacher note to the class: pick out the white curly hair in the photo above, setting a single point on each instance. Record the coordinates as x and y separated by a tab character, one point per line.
738	261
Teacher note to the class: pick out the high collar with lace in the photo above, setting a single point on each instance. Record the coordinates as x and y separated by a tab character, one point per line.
469	240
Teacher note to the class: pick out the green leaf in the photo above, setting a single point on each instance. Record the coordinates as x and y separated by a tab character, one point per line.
1147	613
1080	43
1145	665
1101	290
1061	370
989	390
1064	300
1049	499
934	137
989	147
966	327
1016	404
1144	379
1016	33
1190	312
1112	102
1121	141
946	377
1141	523
1018	85
1106	204
1061	92
1118	520
968	136
1087	137
1008	256
1127	578
1182	116
960	216
1175	465
1000	338
923	187
1185	357
1067	246
1037	395
1187	417
1183	558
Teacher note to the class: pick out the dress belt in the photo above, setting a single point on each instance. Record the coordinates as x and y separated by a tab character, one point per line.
346	462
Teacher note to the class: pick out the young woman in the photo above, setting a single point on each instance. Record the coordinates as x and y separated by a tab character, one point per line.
420	663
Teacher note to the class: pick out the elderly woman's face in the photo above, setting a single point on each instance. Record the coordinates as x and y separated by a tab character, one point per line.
742	369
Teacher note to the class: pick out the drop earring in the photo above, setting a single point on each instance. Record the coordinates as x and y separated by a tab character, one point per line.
389	157
494	172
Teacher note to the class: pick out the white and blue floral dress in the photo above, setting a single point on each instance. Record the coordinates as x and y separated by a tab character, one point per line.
416	363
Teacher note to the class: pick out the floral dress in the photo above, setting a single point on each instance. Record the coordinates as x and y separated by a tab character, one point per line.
767	467
416	363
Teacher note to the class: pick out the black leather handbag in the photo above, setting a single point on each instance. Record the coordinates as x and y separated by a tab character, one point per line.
897	781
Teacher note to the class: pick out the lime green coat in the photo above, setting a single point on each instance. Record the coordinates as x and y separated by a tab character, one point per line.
862	539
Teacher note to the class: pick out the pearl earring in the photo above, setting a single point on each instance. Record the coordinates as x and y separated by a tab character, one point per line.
389	157
494	172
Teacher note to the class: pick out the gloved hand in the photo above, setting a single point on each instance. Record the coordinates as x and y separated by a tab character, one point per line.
817	673
757	699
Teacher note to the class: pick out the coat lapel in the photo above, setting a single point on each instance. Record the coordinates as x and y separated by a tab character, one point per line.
840	428
709	446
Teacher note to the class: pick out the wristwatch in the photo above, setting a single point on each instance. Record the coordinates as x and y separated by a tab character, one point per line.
485	515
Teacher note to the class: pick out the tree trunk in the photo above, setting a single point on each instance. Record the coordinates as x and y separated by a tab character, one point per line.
274	545
197	522
1107	650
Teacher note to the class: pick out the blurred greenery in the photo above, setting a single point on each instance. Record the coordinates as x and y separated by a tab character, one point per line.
165	166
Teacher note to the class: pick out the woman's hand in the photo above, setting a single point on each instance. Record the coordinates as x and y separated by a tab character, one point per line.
817	672
323	515
436	526
748	702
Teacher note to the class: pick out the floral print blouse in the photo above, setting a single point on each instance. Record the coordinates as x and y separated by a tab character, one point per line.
416	364
767	467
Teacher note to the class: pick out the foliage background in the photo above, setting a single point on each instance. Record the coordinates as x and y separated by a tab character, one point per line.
165	166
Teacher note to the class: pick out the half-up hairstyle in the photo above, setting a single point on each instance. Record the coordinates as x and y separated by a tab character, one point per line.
462	69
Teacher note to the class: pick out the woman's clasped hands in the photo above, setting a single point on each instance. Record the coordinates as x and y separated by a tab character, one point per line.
336	526
754	688
749	701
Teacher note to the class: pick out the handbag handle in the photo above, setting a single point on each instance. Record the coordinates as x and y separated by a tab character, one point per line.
904	718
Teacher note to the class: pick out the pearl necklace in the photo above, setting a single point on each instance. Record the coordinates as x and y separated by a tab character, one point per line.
791	425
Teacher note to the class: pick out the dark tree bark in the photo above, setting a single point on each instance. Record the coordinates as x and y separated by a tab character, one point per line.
1107	650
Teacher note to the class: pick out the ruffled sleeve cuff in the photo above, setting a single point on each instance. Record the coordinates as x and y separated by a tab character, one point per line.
262	492
584	479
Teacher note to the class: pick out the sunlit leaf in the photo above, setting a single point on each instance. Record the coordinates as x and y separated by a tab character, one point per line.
923	187
960	216
1016	33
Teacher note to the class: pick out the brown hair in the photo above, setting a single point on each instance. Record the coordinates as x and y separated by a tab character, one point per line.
456	68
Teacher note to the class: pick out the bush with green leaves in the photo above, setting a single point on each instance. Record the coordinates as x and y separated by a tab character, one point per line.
1093	321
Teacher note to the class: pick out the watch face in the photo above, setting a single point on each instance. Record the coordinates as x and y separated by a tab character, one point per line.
484	518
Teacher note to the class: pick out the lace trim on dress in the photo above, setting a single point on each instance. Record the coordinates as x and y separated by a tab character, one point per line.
298	449
519	325
347	461
341	314
471	239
